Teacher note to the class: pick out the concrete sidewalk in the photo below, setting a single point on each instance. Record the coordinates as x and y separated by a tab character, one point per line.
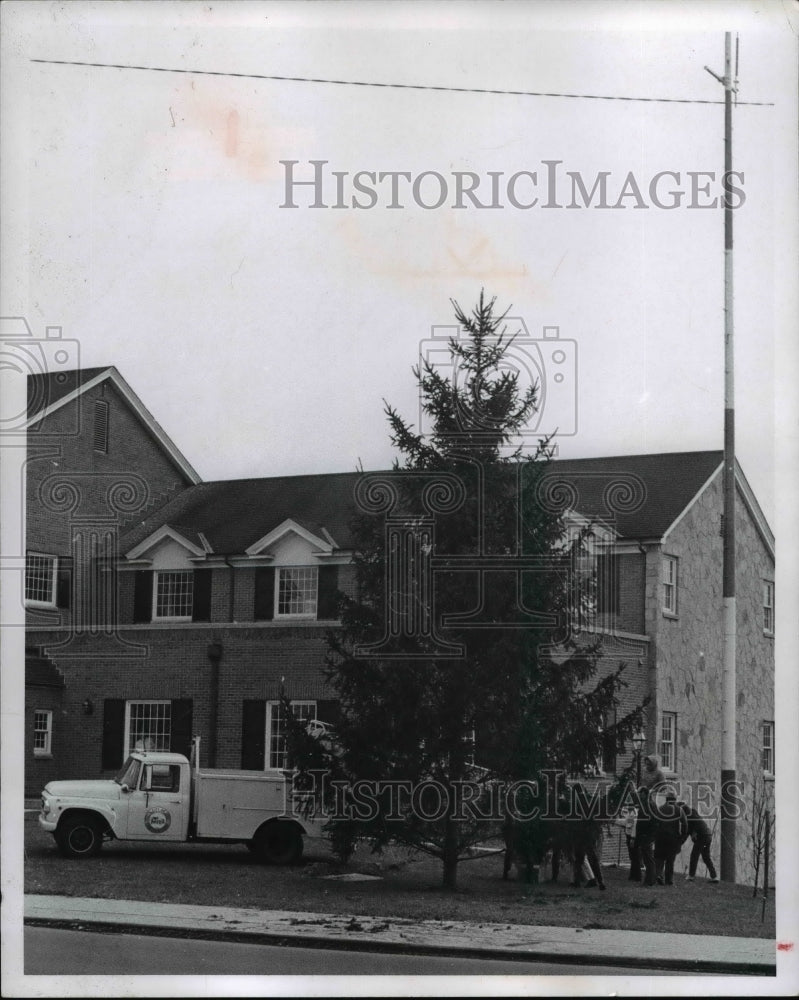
642	949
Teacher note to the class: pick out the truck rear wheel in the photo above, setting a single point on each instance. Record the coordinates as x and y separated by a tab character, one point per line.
277	844
79	837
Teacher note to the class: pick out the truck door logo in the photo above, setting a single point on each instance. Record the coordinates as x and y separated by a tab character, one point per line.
157	820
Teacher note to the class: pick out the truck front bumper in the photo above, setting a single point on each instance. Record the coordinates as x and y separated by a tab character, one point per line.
48	823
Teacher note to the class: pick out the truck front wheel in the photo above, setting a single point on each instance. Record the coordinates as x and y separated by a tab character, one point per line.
79	837
277	844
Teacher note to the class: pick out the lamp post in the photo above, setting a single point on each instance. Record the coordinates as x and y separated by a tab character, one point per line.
639	739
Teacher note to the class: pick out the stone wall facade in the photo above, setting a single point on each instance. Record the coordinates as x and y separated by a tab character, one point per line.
688	657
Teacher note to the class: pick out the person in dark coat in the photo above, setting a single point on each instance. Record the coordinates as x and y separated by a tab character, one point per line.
584	836
645	836
671	831
697	829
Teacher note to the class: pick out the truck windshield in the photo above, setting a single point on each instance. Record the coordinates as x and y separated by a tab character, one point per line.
129	775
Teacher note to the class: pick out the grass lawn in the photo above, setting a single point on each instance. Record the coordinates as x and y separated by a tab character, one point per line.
409	886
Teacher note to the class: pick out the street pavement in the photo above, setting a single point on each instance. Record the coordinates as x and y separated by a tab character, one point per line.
639	949
53	951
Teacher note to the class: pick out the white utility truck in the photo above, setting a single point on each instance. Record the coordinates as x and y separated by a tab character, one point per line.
159	796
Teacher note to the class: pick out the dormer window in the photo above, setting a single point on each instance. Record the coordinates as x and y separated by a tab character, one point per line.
297	592
173	595
179	586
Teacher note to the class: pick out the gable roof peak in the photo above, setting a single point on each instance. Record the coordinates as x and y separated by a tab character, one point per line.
50	391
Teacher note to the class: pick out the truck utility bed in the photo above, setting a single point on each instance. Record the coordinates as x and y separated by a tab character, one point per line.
233	804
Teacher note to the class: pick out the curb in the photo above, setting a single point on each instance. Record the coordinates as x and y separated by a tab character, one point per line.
662	964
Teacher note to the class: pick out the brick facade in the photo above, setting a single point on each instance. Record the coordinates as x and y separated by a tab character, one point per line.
74	492
44	694
211	672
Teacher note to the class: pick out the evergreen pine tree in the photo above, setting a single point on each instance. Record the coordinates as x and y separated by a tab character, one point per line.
524	696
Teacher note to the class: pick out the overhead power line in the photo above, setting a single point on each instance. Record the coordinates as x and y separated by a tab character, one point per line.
397	86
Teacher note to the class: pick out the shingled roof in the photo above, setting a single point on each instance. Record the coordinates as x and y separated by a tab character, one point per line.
232	514
644	494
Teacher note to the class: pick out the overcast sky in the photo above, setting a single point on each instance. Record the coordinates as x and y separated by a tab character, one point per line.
264	338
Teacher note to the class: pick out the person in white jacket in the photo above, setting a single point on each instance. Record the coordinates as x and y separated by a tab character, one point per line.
626	820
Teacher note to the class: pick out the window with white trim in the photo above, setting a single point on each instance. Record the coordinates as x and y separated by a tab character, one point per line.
148	725
276	750
668	741
42	732
41	577
670	585
297	591
768	607
173	595
767	747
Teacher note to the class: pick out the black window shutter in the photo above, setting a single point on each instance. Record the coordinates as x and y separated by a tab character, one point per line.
607	571
180	741
609	744
327	603
143	596
113	734
602	584
264	610
201	606
328	711
253	735
64	583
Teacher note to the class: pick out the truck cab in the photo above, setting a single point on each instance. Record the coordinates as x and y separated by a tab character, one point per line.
149	799
155	801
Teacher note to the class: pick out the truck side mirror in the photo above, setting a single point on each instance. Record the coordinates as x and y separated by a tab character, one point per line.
124	787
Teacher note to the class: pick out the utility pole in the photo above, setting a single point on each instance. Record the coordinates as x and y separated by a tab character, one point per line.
728	694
